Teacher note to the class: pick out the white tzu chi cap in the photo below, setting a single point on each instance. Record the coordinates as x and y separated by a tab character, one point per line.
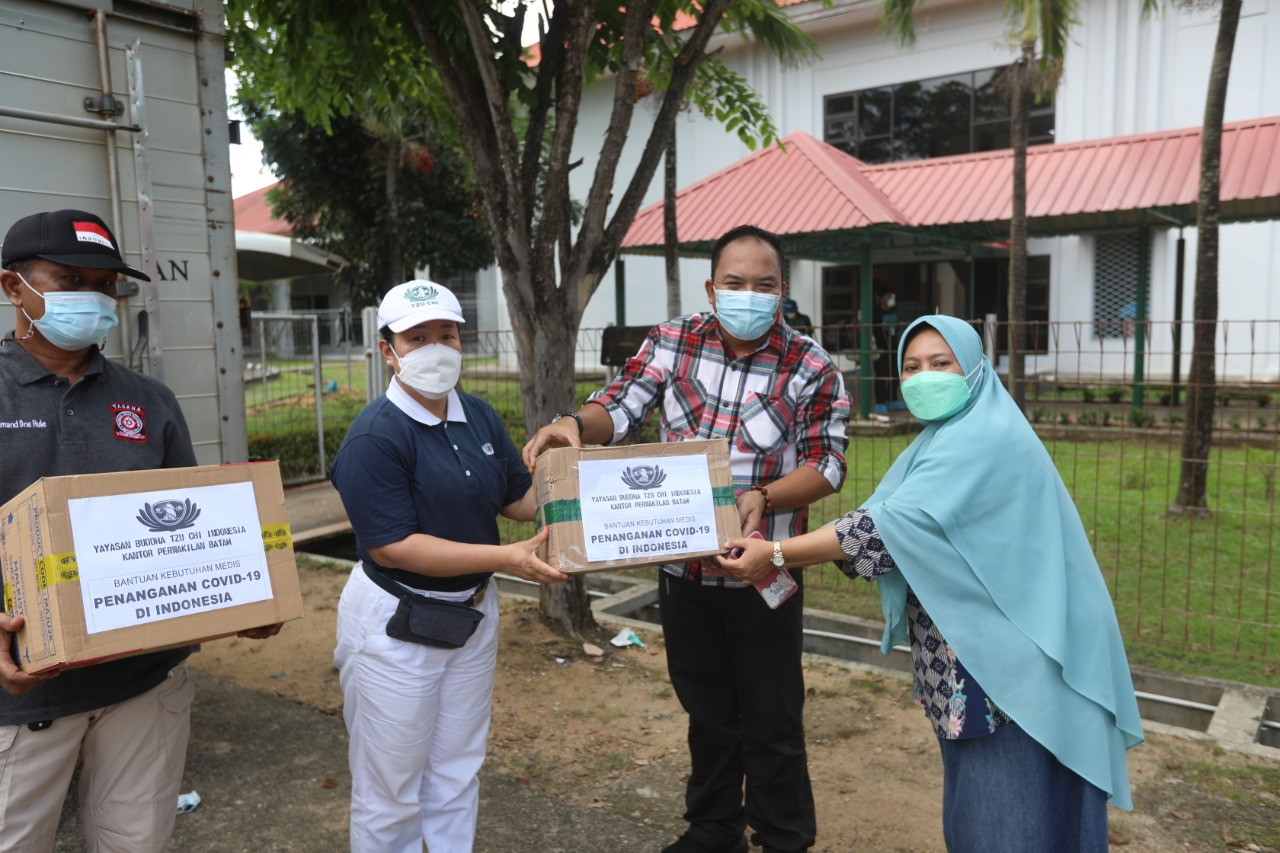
406	305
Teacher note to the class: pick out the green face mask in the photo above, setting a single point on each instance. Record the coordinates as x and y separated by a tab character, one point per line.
935	395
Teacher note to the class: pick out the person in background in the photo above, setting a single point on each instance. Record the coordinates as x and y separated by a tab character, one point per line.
62	407
800	322
884	333
739	373
423	473
246	321
982	562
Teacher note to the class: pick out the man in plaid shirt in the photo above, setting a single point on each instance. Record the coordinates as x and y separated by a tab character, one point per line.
740	373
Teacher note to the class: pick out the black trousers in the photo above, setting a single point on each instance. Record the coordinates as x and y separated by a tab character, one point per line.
735	666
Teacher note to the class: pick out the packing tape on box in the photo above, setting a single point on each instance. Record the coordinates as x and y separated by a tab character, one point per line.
276	537
56	568
570	509
62	568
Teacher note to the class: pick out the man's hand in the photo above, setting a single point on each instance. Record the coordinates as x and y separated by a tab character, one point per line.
751	508
262	633
523	560
12	679
561	433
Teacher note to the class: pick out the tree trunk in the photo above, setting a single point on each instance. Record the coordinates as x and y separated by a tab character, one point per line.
395	252
1197	433
546	380
1023	73
671	240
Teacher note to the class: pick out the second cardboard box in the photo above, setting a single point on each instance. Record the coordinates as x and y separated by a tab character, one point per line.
635	505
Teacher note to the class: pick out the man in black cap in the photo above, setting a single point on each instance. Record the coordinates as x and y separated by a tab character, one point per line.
64	409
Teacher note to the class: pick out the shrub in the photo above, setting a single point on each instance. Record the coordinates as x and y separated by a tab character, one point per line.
1263	399
1040	414
1140	418
295	448
1115	394
1088	394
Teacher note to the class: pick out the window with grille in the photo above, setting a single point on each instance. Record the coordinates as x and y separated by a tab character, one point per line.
1115	284
463	285
955	114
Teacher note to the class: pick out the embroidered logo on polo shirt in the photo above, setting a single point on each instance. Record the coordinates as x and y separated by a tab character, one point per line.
487	448
130	422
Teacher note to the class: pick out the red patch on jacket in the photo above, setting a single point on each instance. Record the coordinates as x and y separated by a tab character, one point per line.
130	422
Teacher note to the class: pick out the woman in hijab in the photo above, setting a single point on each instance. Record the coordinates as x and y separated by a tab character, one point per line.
983	564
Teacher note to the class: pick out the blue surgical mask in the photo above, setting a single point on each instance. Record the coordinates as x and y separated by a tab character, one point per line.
745	314
935	395
74	320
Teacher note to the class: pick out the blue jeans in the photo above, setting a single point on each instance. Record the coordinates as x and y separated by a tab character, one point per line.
1005	793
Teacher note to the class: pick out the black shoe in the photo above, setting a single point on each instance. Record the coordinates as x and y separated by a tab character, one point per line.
685	844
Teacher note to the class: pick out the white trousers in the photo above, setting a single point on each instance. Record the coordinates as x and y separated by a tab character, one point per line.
134	753
418	719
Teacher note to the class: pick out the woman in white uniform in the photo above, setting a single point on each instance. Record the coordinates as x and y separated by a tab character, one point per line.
423	473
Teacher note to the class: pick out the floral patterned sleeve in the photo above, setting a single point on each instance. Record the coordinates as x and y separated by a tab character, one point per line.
865	554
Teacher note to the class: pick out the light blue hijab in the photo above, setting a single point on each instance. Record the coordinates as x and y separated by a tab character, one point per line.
984	532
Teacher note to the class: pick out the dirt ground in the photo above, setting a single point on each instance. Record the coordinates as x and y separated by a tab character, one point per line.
606	731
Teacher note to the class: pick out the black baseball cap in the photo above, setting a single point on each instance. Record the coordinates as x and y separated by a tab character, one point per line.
71	237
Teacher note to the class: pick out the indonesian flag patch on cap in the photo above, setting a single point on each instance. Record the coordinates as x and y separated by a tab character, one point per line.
92	232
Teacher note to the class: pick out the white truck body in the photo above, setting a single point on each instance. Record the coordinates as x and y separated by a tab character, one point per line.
157	171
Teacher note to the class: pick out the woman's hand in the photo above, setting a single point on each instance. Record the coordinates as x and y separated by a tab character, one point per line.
752	564
522	560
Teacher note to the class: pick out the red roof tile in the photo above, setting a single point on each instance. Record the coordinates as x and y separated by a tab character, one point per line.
253	213
1086	185
811	186
1072	187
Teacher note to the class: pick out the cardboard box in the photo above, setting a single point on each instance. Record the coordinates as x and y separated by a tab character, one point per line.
108	565
635	505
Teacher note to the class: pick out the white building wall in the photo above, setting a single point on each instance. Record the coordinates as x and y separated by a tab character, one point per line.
1123	75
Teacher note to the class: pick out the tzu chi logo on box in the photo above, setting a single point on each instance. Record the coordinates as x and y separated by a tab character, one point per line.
644	477
168	515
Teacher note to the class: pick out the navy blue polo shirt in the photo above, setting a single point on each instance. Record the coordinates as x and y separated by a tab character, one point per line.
402	471
112	419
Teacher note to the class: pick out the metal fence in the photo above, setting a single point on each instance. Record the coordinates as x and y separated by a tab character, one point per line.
286	363
1110	409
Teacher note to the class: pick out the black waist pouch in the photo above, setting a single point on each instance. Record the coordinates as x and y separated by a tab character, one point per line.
428	621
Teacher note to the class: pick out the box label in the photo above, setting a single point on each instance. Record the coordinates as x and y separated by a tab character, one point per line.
149	556
646	507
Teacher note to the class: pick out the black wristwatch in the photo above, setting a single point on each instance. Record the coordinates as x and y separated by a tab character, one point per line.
574	415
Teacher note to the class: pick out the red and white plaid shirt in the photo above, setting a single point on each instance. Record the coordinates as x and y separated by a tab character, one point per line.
782	406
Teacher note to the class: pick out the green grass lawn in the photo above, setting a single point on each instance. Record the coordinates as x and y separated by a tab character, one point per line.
1193	595
1200	596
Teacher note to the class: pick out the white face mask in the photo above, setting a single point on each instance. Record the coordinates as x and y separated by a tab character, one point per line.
431	370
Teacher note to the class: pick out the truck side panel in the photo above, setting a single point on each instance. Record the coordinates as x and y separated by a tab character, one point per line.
165	63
